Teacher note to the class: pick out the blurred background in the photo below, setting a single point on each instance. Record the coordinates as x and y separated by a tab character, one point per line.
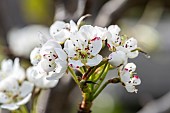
146	20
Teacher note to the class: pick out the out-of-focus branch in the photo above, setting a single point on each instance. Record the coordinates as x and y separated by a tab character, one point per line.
152	13
42	101
104	15
62	12
59	98
160	105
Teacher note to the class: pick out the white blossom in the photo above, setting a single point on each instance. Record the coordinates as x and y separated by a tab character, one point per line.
10	68
40	79
113	39
83	48
14	91
128	78
61	31
13	94
49	60
129	47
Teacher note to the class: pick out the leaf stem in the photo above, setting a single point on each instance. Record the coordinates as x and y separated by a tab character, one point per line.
102	77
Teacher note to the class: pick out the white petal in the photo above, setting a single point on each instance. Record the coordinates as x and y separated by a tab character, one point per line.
10	106
62	35
42	38
131	89
7	65
4	98
69	48
114	29
39	79
136	80
59	31
9	84
35	56
50	44
131	44
95	46
61	54
61	66
133	54
59	72
75	63
117	58
88	30
101	32
94	61
25	100
131	67
46	66
44	83
18	71
125	77
73	26
26	88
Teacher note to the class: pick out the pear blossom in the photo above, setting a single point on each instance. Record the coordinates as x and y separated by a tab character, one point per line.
129	47
61	31
12	69
117	58
128	78
13	94
83	48
49	58
40	79
113	39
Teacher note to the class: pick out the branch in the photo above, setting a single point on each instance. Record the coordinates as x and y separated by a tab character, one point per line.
104	15
160	105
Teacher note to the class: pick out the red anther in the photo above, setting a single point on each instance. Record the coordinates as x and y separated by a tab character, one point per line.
126	69
95	38
135	76
108	45
71	65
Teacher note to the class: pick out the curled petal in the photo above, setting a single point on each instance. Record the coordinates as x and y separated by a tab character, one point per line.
94	61
24	100
10	107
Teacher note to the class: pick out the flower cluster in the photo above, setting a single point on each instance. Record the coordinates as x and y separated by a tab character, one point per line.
14	90
81	46
71	47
